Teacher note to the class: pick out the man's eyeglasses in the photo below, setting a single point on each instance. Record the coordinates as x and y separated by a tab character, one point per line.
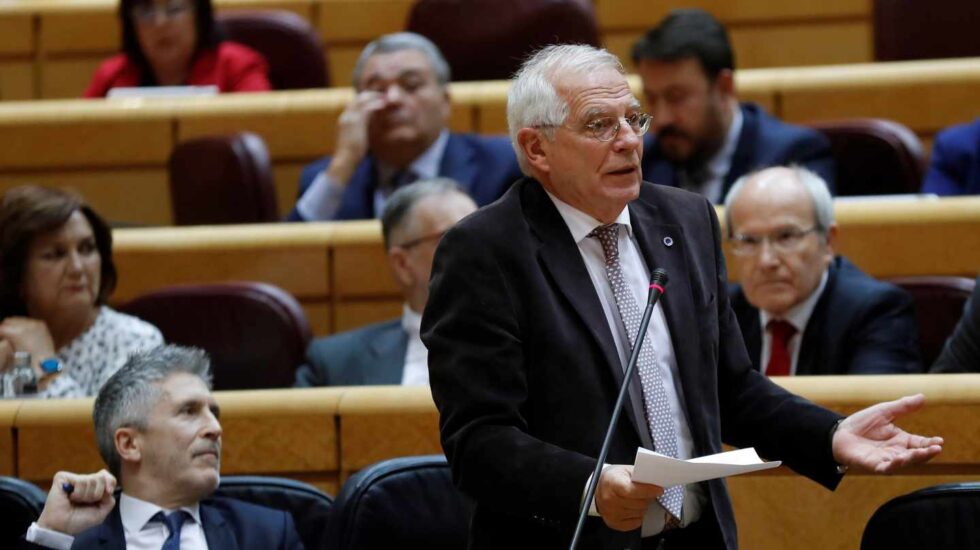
415	242
148	13
783	241
607	128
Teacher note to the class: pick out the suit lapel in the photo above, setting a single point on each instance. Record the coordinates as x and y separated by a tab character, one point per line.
748	322
457	163
560	257
111	535
814	344
217	531
388	351
653	232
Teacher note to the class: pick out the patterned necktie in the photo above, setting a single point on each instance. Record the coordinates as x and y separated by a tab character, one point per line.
174	521
655	404
779	360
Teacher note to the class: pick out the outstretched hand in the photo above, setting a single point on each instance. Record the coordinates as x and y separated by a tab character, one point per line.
869	439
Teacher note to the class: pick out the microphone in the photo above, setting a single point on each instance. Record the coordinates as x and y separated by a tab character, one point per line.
658	279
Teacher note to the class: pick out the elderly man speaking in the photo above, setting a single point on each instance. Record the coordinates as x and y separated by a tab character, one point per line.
534	304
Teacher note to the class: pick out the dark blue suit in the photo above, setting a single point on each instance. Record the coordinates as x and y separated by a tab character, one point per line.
229	524
962	350
371	355
859	326
484	165
764	141
955	165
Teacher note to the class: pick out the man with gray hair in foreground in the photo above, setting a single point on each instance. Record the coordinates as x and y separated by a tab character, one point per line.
802	310
535	302
157	428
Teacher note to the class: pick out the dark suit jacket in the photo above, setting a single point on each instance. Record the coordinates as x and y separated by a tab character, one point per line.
524	370
955	165
859	326
374	354
962	350
764	141
484	165
228	525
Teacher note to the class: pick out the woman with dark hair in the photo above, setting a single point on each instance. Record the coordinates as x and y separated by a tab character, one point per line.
56	272
176	43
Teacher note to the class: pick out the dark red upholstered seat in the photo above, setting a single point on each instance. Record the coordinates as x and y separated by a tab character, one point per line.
919	29
256	333
221	180
874	156
939	304
488	39
290	45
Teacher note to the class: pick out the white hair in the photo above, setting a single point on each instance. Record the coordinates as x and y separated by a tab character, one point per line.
533	100
815	186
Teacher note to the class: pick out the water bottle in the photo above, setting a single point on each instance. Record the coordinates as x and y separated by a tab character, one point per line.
23	378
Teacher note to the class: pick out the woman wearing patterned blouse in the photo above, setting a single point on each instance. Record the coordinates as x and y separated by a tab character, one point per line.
56	273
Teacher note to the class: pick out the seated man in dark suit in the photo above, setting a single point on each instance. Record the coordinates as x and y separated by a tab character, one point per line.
702	139
414	219
394	132
955	165
962	350
822	314
157	428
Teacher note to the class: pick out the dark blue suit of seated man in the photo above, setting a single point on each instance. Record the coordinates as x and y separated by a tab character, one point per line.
702	139
801	309
157	429
393	132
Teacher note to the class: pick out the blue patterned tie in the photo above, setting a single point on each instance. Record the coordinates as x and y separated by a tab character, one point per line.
174	521
655	404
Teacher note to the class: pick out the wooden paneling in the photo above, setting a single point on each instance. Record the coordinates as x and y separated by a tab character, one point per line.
640	13
377	423
358	270
353	314
123	196
8	412
318	315
16	80
55	435
67	77
18	34
840	42
286	176
80	29
361	21
289	256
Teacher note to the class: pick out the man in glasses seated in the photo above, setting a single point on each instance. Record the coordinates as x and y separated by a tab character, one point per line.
803	310
414	219
394	131
702	139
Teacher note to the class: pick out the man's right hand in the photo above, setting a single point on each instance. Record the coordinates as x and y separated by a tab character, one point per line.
352	135
620	501
87	505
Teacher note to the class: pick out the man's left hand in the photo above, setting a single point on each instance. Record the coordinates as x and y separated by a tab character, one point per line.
869	439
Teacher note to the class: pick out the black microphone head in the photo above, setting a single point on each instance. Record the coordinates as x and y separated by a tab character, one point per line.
659	277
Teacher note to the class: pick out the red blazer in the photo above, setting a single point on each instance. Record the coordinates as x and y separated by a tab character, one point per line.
231	67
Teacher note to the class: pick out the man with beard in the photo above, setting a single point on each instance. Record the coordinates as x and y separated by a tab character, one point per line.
702	139
394	132
157	428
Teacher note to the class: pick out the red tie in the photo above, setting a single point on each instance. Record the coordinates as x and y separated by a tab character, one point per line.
779	359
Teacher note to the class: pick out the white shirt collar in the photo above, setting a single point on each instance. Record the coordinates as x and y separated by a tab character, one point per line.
426	165
411	321
581	224
799	315
722	160
136	513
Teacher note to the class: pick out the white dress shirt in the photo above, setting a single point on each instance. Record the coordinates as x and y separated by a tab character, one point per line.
322	199
719	164
416	371
798	316
637	275
141	530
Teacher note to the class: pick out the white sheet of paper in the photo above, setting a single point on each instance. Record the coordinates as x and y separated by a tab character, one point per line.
655	468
